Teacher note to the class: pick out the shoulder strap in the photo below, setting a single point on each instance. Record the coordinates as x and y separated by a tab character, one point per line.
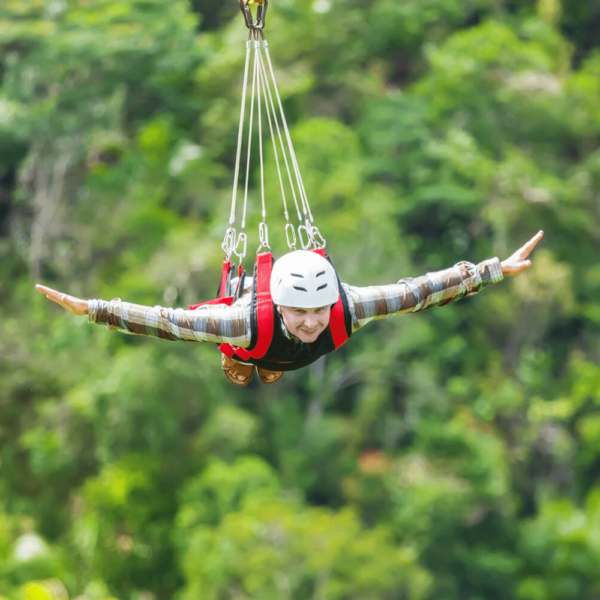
262	310
228	267
264	304
340	332
337	323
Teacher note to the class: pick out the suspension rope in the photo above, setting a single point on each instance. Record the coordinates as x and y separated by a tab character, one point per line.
307	227
242	237
260	137
229	239
272	118
304	198
263	78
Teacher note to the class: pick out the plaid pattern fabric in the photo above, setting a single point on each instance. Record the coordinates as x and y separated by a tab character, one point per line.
414	295
231	324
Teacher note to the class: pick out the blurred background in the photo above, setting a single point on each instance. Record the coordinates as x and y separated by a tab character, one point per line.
449	455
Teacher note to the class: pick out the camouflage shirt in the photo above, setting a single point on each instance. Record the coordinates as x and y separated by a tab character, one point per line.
232	324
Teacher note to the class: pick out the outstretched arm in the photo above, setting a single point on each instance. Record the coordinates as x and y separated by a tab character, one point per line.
215	323
434	289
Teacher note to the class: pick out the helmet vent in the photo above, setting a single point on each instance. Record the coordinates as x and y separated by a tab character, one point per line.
303	278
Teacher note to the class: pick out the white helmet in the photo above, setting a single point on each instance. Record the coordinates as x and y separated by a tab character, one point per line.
304	279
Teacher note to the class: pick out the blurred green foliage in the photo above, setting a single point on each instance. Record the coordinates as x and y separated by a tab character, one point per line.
453	454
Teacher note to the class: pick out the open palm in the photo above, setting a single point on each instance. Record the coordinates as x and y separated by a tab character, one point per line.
517	263
70	303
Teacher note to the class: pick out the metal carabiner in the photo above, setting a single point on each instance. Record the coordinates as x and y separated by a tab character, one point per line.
228	244
290	242
261	13
242	239
305	245
263	235
318	239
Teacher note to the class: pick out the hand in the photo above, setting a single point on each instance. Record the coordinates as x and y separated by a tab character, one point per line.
70	303
517	262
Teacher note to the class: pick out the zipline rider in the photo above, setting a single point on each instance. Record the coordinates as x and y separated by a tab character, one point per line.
304	287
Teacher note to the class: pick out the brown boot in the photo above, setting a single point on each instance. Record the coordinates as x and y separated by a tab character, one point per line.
236	372
267	376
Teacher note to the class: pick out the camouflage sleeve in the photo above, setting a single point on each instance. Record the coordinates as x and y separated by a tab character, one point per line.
416	294
213	323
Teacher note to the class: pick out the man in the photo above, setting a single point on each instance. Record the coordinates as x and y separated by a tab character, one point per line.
304	288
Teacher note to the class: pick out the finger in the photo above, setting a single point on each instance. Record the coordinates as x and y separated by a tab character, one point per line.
50	293
536	238
44	290
530	245
521	266
69	302
53	296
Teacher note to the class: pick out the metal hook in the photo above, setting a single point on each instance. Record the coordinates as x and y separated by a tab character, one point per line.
318	239
305	244
261	13
242	239
263	234
290	234
229	241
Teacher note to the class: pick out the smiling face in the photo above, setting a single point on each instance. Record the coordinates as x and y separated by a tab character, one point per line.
307	324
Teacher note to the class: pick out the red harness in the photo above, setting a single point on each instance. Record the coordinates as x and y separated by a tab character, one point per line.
264	309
